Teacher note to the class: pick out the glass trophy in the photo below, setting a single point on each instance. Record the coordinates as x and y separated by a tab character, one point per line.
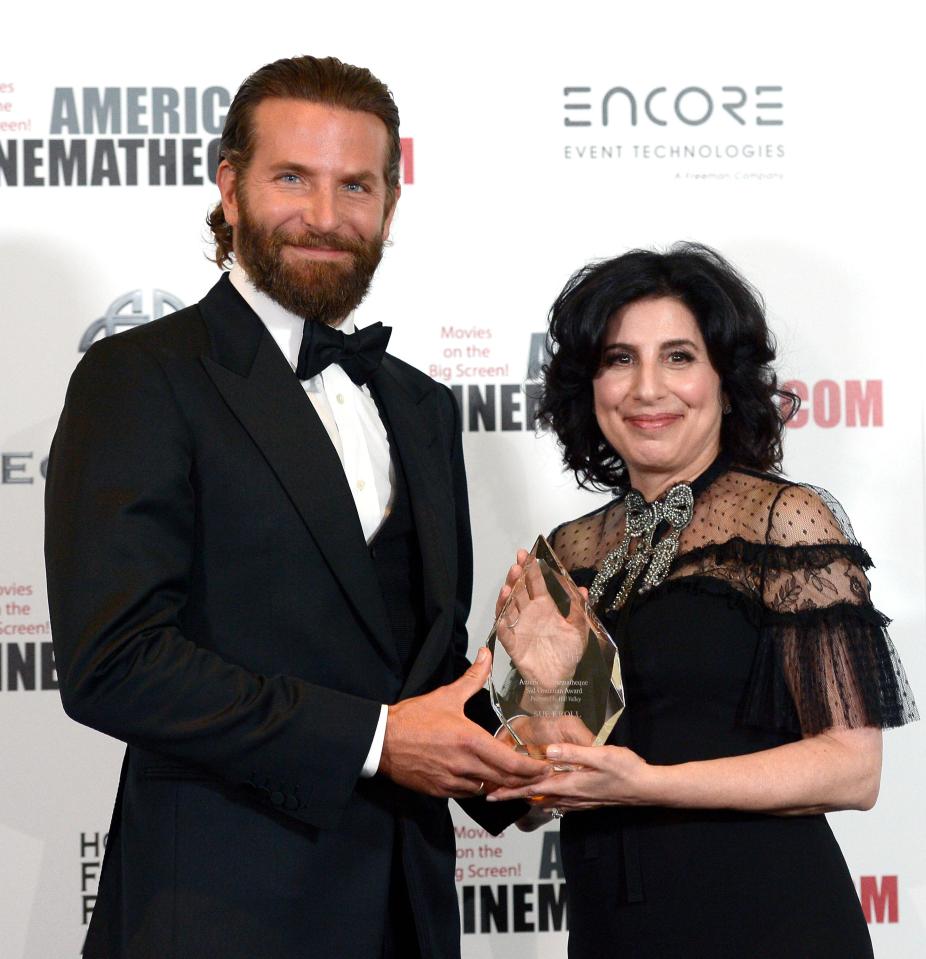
556	675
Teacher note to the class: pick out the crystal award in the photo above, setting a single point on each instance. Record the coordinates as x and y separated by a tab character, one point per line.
556	675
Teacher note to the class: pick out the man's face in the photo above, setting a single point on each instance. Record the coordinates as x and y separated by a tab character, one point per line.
310	211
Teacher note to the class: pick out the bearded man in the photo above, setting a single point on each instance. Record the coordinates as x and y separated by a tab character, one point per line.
258	555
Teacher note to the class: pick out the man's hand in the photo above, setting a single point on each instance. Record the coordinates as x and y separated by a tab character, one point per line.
431	747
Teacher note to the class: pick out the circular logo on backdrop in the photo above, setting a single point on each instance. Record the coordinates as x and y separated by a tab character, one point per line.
128	310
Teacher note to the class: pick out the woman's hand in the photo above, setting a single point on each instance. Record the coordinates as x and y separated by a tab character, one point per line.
839	768
540	731
602	776
544	646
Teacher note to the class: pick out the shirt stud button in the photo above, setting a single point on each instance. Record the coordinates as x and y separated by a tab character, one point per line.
361	485
340	398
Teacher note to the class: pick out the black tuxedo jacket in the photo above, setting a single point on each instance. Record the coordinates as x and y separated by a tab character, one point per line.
214	605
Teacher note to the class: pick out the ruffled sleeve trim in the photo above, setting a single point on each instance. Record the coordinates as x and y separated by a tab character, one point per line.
771	556
819	668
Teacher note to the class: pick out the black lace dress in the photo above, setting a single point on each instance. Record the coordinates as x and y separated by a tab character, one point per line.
761	632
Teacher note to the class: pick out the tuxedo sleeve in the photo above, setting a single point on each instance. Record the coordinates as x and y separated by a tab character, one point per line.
120	534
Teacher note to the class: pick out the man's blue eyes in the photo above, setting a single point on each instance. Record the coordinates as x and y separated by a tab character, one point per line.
296	178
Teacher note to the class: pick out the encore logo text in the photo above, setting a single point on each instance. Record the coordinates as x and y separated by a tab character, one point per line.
660	106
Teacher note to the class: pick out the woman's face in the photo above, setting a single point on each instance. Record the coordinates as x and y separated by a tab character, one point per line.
657	397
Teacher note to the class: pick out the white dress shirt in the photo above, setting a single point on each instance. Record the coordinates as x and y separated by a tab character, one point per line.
352	421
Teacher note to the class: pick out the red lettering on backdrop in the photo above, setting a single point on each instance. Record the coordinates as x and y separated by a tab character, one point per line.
827	403
879	900
864	403
800	417
830	403
408	160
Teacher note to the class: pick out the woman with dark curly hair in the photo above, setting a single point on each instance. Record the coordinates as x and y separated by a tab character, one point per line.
758	675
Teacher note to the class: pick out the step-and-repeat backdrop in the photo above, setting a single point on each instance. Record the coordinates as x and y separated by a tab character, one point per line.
536	137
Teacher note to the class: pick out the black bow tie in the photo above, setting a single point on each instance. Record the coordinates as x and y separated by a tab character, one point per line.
358	354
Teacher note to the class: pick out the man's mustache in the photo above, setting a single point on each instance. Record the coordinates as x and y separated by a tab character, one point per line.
320	241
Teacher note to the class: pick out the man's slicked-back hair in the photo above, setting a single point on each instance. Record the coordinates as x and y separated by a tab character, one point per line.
316	80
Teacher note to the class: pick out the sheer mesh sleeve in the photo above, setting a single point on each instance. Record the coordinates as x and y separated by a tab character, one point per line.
581	543
825	658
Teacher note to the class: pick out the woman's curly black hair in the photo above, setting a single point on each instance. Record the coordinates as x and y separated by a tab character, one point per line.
731	316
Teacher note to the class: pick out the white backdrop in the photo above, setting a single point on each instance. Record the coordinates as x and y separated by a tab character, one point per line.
787	136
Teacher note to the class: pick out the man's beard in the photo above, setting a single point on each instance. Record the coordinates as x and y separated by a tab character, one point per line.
313	289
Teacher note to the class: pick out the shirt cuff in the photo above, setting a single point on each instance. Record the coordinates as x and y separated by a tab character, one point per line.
371	764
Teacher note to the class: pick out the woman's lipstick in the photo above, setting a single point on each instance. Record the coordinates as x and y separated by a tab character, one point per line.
652	421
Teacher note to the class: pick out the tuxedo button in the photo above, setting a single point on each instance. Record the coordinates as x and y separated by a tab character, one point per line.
291	803
373	552
277	798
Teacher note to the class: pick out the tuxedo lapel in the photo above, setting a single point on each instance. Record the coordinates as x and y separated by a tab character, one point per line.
268	400
415	427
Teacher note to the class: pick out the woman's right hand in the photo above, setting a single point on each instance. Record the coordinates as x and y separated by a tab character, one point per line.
543	645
